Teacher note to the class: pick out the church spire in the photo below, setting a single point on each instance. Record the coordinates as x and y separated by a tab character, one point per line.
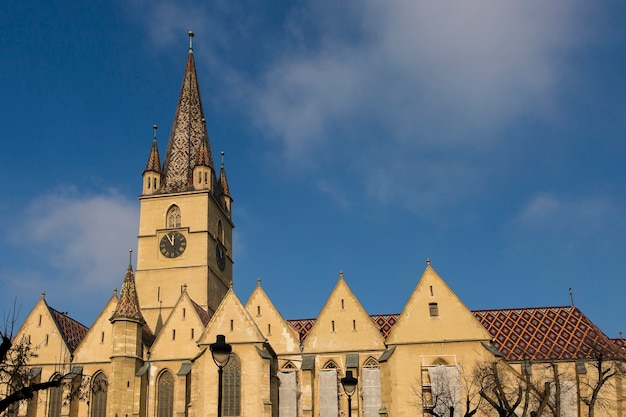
128	304
152	173
222	187
154	160
188	132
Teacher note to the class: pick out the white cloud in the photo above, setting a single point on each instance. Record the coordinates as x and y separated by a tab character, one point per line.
84	238
569	222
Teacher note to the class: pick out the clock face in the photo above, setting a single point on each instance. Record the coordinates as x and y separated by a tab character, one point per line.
221	256
173	244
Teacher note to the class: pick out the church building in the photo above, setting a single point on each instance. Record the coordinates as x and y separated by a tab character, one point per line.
148	353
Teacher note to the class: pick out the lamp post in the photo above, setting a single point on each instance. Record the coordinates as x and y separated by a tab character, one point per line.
349	386
220	350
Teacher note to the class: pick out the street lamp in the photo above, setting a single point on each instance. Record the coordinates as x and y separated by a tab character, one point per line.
349	386
220	350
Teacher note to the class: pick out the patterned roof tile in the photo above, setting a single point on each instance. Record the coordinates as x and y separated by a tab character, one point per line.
128	304
549	333
72	331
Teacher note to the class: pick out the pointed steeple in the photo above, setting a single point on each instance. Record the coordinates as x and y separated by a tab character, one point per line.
188	132
128	305
154	160
222	188
205	157
152	173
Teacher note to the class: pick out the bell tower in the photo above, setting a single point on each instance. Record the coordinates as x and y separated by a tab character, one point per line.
185	220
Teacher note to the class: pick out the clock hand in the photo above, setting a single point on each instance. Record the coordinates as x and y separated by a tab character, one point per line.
171	238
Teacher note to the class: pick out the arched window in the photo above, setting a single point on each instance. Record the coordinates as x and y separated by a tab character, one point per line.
99	388
220	231
232	387
173	217
55	399
165	395
370	387
330	365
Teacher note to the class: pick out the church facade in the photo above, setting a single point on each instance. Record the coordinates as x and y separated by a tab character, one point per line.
147	354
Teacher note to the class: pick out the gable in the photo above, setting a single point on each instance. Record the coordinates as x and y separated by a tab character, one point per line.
182	328
97	343
281	335
233	321
434	313
53	334
343	325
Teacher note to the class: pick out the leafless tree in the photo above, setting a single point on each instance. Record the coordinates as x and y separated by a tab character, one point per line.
513	394
604	370
446	392
16	379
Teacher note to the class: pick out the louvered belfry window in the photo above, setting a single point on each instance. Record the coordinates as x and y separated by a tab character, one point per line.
165	397
232	388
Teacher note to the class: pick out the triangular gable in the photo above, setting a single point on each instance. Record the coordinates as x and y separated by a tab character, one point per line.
281	335
96	345
343	325
435	313
52	333
233	321
182	328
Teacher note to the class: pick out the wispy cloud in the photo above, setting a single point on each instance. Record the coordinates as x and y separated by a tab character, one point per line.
569	222
84	238
386	87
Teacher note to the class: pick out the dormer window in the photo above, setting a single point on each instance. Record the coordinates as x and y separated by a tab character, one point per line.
173	217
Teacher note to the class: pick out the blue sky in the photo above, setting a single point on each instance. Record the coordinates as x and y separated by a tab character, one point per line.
360	136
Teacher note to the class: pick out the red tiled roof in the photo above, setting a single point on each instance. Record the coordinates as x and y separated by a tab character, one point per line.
550	333
204	315
72	331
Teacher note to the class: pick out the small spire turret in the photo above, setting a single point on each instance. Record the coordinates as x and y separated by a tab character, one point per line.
128	305
152	173
222	187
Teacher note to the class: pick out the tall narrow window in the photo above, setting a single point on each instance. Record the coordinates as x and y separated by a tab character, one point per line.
232	387
220	231
370	388
55	400
433	309
173	217
329	405
165	395
99	388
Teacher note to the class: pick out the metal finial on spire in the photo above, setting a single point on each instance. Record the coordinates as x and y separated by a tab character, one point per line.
43	295
341	273
571	296
155	127
427	261
258	281
190	33
130	257
222	153
115	292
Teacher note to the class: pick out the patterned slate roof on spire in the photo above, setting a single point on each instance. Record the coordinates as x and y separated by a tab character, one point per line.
187	133
154	161
128	304
205	158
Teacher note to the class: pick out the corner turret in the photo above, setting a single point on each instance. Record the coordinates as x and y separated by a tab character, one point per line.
152	173
203	174
224	191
